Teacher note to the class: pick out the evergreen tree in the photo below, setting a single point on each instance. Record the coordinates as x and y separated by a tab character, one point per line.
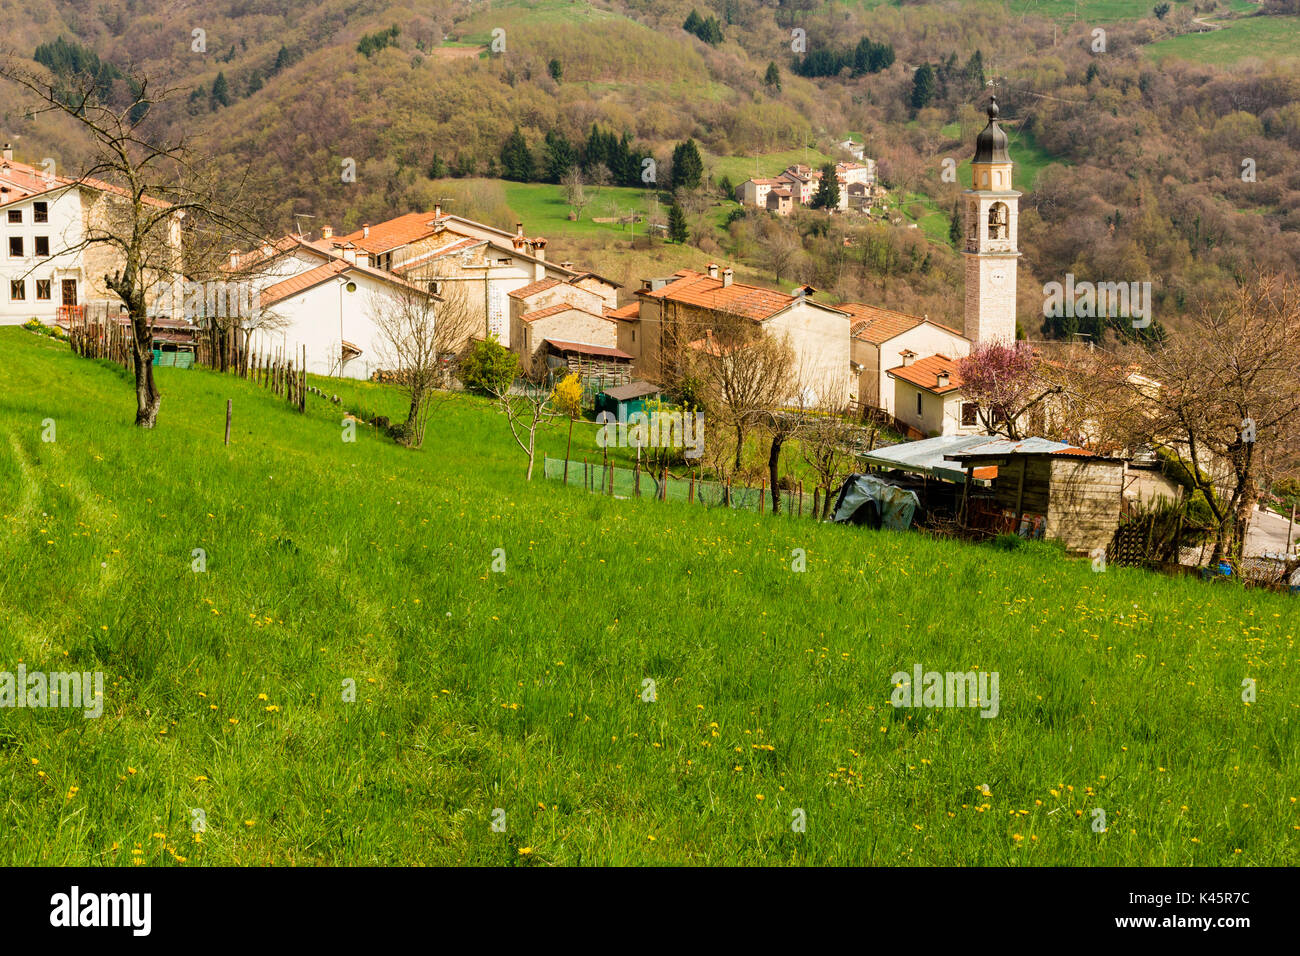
282	59
693	23
924	87
516	160
975	71
220	92
677	230
828	190
559	156
437	168
954	227
688	167
556	69
772	79
254	82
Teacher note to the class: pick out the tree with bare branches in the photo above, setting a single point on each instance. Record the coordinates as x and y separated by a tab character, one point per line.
528	405
417	331
746	373
1226	400
147	185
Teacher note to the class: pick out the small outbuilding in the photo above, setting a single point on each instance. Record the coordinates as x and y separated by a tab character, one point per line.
625	400
1054	491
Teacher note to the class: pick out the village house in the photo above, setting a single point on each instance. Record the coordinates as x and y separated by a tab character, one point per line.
434	248
928	398
550	311
330	311
48	270
881	341
687	304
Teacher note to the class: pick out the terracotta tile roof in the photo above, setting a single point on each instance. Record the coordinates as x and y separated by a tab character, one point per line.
322	273
876	325
18	181
389	235
924	373
625	313
533	288
693	288
584	349
460	245
556	310
284	244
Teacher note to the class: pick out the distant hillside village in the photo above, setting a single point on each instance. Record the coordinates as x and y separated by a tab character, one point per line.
856	187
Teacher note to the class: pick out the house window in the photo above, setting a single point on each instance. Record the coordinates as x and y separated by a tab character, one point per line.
15	216
40	212
434	287
43	289
918	403
968	414
15	247
42	246
17	290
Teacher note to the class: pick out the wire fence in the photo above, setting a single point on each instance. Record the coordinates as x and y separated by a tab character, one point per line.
606	478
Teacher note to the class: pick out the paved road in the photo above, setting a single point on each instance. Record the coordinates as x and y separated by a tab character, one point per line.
1266	534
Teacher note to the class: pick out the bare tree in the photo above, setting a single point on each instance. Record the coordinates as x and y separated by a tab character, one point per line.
1226	403
528	405
147	186
745	372
575	191
826	442
407	326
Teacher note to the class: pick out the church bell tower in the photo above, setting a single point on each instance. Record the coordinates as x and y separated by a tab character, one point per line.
991	219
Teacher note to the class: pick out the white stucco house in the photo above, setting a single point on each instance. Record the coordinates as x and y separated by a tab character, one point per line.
47	268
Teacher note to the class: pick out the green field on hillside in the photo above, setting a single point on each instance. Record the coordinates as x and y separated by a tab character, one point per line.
543	209
1263	38
521	697
1104	11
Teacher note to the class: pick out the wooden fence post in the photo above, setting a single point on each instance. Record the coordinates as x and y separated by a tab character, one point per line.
636	477
229	405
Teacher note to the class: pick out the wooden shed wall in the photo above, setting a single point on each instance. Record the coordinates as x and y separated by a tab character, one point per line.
1084	507
1038	476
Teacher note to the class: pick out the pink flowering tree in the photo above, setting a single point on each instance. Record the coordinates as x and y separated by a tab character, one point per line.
1004	383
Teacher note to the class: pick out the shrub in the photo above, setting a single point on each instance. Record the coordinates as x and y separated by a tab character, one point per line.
488	367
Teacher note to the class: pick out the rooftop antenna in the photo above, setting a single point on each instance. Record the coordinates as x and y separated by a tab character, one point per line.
299	216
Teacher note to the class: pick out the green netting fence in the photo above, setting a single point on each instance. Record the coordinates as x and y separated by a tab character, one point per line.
621	482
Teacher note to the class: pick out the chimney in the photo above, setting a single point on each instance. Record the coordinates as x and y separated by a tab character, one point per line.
519	230
327	232
362	257
727	276
365	231
943	380
9	153
350	253
234	258
267	248
539	249
907	357
437	210
713	270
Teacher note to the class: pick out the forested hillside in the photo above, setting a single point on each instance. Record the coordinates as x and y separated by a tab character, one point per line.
1140	156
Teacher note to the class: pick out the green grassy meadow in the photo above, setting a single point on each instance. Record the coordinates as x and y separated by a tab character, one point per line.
1261	38
522	691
